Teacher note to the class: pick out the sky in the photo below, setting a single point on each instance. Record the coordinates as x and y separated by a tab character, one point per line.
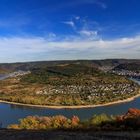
35	30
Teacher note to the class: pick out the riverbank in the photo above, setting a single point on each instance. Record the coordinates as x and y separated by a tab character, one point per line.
74	107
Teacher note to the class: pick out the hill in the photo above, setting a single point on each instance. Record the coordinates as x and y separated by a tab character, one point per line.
128	66
109	63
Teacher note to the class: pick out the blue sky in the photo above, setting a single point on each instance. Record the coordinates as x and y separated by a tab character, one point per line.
33	30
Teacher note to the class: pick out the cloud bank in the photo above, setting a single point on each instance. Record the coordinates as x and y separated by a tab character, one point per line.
39	48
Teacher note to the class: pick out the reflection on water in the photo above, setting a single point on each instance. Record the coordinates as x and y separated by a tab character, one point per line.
21	107
12	113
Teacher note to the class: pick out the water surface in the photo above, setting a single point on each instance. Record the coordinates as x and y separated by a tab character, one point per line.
10	114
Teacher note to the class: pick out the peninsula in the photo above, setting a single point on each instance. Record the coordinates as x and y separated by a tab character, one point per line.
68	84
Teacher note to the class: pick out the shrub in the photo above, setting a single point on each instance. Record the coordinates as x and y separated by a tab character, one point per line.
97	120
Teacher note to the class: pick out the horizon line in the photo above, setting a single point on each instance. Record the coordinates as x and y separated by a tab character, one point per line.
58	60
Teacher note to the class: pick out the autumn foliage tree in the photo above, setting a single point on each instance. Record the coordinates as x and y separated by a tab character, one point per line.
55	122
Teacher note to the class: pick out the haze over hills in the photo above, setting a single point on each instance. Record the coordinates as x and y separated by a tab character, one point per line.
101	64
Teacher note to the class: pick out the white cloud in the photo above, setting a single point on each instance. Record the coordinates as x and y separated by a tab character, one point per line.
35	44
51	35
70	23
77	17
88	33
15	47
83	27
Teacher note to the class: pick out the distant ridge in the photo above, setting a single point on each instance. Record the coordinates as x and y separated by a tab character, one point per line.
93	63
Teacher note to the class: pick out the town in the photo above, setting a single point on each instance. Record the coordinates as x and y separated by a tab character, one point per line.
128	73
90	92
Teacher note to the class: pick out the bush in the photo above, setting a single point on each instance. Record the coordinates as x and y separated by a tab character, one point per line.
97	120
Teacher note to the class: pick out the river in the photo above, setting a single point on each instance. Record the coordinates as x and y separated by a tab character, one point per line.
10	114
